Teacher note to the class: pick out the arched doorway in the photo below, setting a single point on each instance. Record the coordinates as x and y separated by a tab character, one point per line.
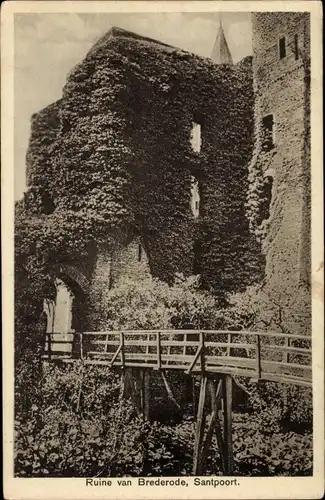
65	313
59	318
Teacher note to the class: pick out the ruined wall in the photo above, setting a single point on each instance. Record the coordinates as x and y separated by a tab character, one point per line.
121	163
113	266
281	85
129	262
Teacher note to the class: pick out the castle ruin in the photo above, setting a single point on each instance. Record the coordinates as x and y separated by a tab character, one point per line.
188	164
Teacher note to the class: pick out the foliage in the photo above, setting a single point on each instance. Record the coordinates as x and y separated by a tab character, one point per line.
263	451
81	428
113	157
151	303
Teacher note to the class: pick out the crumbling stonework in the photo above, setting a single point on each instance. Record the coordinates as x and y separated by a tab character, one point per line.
281	48
112	267
111	165
120	155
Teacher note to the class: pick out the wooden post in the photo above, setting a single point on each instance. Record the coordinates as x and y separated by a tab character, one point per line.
122	349
49	347
202	352
229	342
258	357
81	346
214	394
147	347
227	423
146	394
212	424
199	427
158	351
184	346
193	396
106	345
287	343
139	389
286	353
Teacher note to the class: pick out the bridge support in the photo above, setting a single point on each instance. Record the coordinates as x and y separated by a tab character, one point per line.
227	424
145	394
203	435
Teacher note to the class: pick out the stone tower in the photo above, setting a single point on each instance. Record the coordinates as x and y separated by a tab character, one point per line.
281	61
221	53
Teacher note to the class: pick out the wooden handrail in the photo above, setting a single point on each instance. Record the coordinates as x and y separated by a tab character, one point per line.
195	332
211	354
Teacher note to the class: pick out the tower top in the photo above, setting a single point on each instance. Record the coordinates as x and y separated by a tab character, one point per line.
221	53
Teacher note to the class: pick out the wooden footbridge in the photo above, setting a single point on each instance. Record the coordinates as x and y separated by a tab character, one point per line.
215	355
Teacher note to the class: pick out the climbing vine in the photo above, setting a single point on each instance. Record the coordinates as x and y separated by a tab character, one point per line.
113	157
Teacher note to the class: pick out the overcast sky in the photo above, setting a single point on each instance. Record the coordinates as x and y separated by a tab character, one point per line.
47	46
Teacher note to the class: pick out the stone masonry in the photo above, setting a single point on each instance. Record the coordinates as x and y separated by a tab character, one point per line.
281	55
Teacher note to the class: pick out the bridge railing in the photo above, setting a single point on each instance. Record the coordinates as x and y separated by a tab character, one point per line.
259	355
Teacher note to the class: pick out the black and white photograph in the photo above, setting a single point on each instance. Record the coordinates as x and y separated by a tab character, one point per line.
164	282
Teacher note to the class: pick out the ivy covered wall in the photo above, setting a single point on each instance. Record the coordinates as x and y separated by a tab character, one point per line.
112	160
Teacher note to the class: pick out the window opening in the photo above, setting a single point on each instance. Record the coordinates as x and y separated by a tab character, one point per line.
195	197
268	133
139	253
196	139
282	47
296	42
266	198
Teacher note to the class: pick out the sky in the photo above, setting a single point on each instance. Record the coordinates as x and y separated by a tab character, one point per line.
48	46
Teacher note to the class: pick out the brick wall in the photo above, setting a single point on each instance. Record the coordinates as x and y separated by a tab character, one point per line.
281	89
129	262
111	269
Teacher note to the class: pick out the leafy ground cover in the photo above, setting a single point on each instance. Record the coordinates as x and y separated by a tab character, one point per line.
71	421
82	428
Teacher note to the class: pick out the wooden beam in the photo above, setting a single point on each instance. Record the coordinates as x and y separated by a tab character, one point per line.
115	355
227	424
169	391
199	353
146	394
211	426
81	346
158	351
229	342
193	396
49	346
202	352
200	421
195	360
141	390
105	342
122	349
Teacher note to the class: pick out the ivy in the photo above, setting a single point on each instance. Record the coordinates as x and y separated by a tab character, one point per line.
113	157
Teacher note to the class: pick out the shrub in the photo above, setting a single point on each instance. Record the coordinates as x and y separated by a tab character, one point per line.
151	303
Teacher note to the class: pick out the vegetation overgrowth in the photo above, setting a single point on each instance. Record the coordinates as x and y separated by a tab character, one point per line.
87	154
72	422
